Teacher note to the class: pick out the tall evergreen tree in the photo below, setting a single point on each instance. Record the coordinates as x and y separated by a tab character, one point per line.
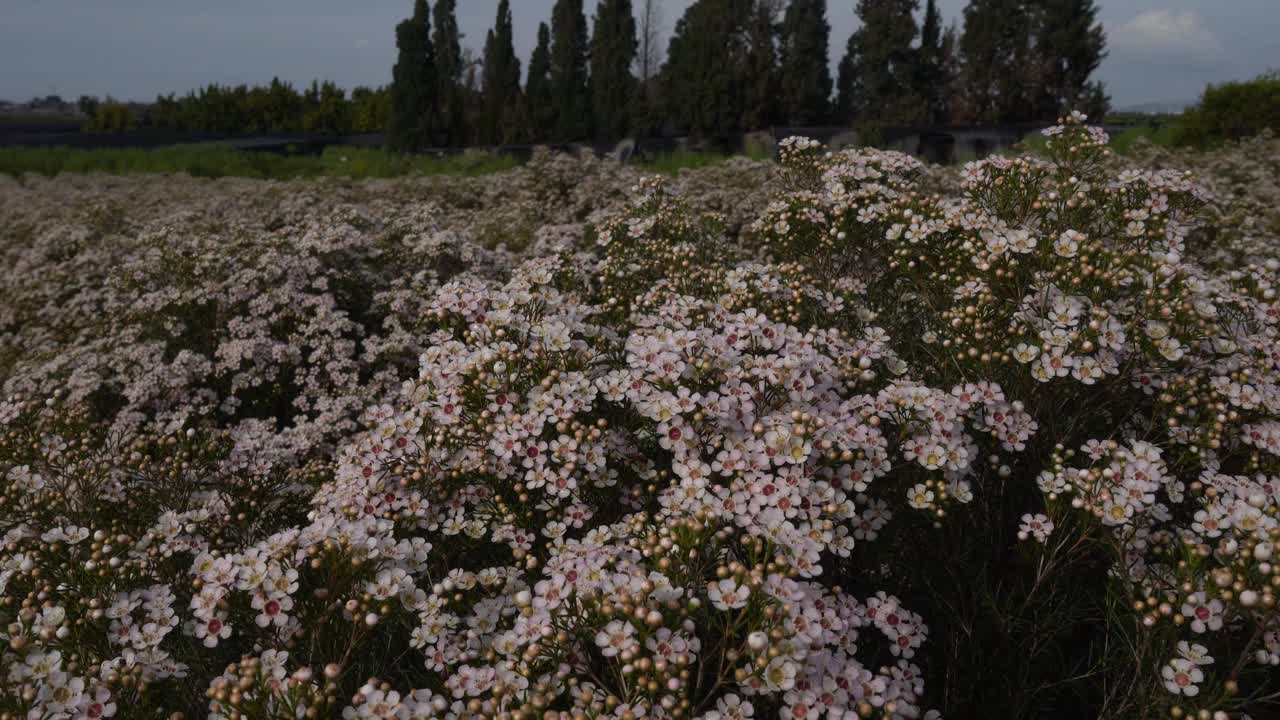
703	79
413	83
648	63
1000	68
500	121
613	87
888	63
931	81
448	48
762	87
850	93
1072	44
569	90
805	72
540	106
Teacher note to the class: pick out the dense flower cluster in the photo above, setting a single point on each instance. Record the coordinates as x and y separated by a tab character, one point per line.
345	458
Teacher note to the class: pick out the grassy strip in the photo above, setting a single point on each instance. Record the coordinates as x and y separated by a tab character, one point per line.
211	160
673	162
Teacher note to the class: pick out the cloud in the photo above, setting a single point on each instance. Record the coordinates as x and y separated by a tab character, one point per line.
1167	31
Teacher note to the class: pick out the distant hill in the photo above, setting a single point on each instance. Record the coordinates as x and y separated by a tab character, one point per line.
1157	108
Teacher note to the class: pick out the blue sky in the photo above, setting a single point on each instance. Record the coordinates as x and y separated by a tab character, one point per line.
1160	50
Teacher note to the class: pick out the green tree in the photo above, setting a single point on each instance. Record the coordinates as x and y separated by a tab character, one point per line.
500	121
887	64
539	104
569	90
450	104
414	83
1001	69
805	68
1072	44
1231	111
613	87
704	78
761	82
327	110
931	83
370	109
850	93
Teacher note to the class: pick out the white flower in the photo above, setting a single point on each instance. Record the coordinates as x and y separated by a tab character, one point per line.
1205	614
920	496
728	594
1038	526
1181	677
615	637
1068	243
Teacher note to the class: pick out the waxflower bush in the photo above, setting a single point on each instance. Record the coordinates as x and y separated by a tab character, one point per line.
900	444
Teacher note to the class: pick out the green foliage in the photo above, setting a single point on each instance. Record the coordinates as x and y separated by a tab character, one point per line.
211	160
1030	60
673	162
934	66
501	121
999	72
541	106
110	116
570	94
414	84
880	71
273	108
1071	45
613	87
705	74
451	101
1232	111
850	92
370	109
805	68
762	81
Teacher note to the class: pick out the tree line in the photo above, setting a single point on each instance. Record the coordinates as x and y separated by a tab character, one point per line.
739	65
729	66
278	107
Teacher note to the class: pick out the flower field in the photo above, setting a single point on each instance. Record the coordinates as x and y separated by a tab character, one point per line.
844	436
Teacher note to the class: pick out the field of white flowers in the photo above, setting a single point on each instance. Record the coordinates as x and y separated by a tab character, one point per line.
842	437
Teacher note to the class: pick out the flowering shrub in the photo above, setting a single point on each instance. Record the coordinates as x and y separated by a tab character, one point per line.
657	462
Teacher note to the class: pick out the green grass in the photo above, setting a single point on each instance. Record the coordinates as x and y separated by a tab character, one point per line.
672	163
1162	136
212	160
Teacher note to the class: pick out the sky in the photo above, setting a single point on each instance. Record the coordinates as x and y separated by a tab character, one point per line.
1160	50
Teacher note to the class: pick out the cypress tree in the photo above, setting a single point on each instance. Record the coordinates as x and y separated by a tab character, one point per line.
1072	44
500	122
613	50
850	94
761	78
448	48
1001	75
888	62
569	90
805	69
703	80
931	81
413	83
541	111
